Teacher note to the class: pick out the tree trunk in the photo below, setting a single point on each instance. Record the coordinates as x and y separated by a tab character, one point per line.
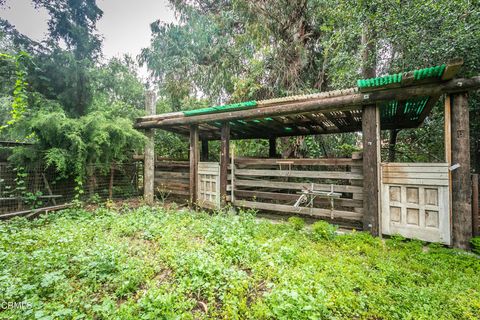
369	63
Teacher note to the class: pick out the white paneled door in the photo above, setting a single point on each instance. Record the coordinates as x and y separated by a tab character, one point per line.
415	201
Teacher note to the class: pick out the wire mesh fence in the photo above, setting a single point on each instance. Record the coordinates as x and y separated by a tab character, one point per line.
32	187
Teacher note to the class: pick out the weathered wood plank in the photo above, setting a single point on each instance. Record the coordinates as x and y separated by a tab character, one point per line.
301	162
414	164
293	197
172	184
422	182
452	69
415	170
297	185
315	212
299	174
416	175
171	175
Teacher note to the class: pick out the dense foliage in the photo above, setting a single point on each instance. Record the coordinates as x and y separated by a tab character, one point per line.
228	51
163	264
76	109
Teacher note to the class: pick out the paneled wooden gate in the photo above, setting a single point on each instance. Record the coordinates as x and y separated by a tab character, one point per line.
415	201
208	186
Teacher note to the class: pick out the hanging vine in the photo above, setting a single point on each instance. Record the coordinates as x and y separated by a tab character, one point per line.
19	103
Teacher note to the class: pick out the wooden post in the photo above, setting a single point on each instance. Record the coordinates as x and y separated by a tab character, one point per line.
204	155
475	206
272	148
461	181
149	157
193	164
448	152
224	160
359	170
371	169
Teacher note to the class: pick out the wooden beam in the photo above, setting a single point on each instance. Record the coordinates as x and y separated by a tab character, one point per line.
452	69
346	102
224	161
204	155
272	148
149	157
371	169
461	181
193	164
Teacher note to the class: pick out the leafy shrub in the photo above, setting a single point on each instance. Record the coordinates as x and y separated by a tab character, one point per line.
475	244
296	222
322	230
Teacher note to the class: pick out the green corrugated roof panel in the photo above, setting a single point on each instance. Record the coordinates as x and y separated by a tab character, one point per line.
419	74
412	109
224	108
380	81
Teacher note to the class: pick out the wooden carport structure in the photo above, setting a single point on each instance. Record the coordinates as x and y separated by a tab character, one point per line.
395	198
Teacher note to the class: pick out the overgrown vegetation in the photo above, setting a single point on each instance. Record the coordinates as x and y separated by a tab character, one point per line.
230	51
153	263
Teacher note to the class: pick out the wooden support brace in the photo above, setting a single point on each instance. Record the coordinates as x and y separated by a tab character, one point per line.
371	169
194	155
224	161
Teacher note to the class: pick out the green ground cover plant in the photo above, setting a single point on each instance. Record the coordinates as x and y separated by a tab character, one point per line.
156	263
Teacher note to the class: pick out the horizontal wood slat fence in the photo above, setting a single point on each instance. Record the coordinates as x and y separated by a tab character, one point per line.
276	184
172	178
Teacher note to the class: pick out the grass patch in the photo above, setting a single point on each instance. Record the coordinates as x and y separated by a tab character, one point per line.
163	264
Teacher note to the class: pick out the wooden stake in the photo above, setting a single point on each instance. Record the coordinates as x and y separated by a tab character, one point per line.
371	169
461	181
